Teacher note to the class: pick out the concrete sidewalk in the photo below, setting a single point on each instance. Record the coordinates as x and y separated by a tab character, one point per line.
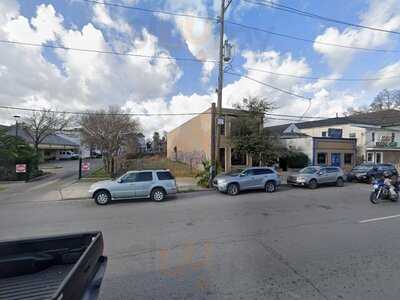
79	189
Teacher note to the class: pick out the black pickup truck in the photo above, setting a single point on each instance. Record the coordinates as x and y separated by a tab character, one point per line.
65	267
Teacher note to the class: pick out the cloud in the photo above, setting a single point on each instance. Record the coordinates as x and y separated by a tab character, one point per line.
390	75
199	35
380	14
102	17
71	80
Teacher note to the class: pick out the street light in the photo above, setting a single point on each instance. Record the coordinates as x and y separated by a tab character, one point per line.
16	117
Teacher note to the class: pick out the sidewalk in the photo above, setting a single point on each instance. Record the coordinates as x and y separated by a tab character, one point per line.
79	189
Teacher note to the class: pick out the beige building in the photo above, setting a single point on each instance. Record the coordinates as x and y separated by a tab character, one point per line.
377	135
191	141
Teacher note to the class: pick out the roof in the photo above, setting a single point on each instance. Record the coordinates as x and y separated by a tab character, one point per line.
53	139
383	118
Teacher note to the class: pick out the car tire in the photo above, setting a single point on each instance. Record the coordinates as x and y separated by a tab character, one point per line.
102	197
270	187
313	184
233	189
340	182
157	195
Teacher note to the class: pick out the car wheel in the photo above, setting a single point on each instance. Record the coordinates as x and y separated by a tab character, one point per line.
233	189
313	184
340	182
270	187
157	195
102	197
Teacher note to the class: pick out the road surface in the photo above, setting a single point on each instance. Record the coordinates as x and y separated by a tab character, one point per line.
329	243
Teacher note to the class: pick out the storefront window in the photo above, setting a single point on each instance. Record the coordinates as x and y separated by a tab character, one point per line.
370	157
378	157
373	136
393	137
324	133
348	157
321	159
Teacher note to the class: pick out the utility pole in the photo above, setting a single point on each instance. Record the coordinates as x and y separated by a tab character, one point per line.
224	7
16	117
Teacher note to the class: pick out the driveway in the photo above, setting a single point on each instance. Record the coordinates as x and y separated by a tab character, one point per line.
329	243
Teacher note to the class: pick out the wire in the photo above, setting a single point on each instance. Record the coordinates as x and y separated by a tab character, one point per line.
268	85
308	40
106	52
276	116
321	78
315	16
147	10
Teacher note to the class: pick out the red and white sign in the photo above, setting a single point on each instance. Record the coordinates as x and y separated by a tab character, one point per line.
85	166
20	168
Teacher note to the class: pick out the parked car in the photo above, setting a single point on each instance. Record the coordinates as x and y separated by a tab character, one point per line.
66	155
67	267
248	179
153	184
313	176
368	172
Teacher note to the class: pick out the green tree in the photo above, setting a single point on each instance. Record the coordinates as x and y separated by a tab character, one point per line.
14	151
248	134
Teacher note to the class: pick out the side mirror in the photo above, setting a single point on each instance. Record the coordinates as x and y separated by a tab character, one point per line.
319	173
120	181
242	175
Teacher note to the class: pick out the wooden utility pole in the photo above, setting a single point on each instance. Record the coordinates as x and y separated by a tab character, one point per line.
221	20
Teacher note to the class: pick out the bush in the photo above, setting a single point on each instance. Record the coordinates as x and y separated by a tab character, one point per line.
203	177
297	160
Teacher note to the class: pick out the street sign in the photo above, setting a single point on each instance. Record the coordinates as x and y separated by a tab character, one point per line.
85	166
20	168
220	121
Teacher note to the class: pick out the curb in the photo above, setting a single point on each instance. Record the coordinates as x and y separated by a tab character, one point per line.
40	177
179	192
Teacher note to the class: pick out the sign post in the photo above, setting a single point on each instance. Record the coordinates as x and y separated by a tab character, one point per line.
22	169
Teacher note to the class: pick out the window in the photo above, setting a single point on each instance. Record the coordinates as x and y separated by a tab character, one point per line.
322	171
238	158
249	172
131	177
332	170
144	176
378	157
393	137
324	133
373	136
262	171
222	126
370	157
352	135
348	158
321	158
165	176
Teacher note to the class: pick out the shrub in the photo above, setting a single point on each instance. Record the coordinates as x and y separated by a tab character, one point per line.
297	160
203	177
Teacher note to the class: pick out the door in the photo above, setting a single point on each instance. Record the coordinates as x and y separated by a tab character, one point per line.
335	159
143	184
262	176
247	180
332	174
125	188
323	176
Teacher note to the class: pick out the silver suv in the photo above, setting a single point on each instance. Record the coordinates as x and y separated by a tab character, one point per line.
153	184
251	178
314	176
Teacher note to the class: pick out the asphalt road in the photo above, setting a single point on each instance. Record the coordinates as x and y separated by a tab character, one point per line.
293	244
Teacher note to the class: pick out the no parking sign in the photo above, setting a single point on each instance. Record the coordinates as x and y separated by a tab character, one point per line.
85	166
20	168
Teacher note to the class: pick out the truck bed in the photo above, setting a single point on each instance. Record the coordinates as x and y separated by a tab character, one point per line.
41	285
59	267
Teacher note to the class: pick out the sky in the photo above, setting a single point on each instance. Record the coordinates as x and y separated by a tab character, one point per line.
38	77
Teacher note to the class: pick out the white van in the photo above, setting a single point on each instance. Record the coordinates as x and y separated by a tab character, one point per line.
64	155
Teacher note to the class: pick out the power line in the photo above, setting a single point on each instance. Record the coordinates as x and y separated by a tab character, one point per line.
249	27
321	78
147	10
189	59
206	18
268	85
293	10
272	115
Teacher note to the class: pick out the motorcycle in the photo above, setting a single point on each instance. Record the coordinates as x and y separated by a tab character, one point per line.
381	190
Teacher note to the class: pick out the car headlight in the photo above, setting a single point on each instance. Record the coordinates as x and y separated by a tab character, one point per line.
301	179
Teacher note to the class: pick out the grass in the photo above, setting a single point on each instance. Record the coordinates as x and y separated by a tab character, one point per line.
2	188
179	169
99	173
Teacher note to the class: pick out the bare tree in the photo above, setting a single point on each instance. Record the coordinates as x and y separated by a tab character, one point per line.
110	130
42	124
386	99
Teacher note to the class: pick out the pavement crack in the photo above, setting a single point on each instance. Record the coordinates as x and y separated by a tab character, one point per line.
275	254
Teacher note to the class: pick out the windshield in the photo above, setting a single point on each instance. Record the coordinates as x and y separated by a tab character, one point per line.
363	167
308	170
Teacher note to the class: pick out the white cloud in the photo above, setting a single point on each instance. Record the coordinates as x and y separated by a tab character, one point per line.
380	14
102	17
390	77
75	80
199	35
